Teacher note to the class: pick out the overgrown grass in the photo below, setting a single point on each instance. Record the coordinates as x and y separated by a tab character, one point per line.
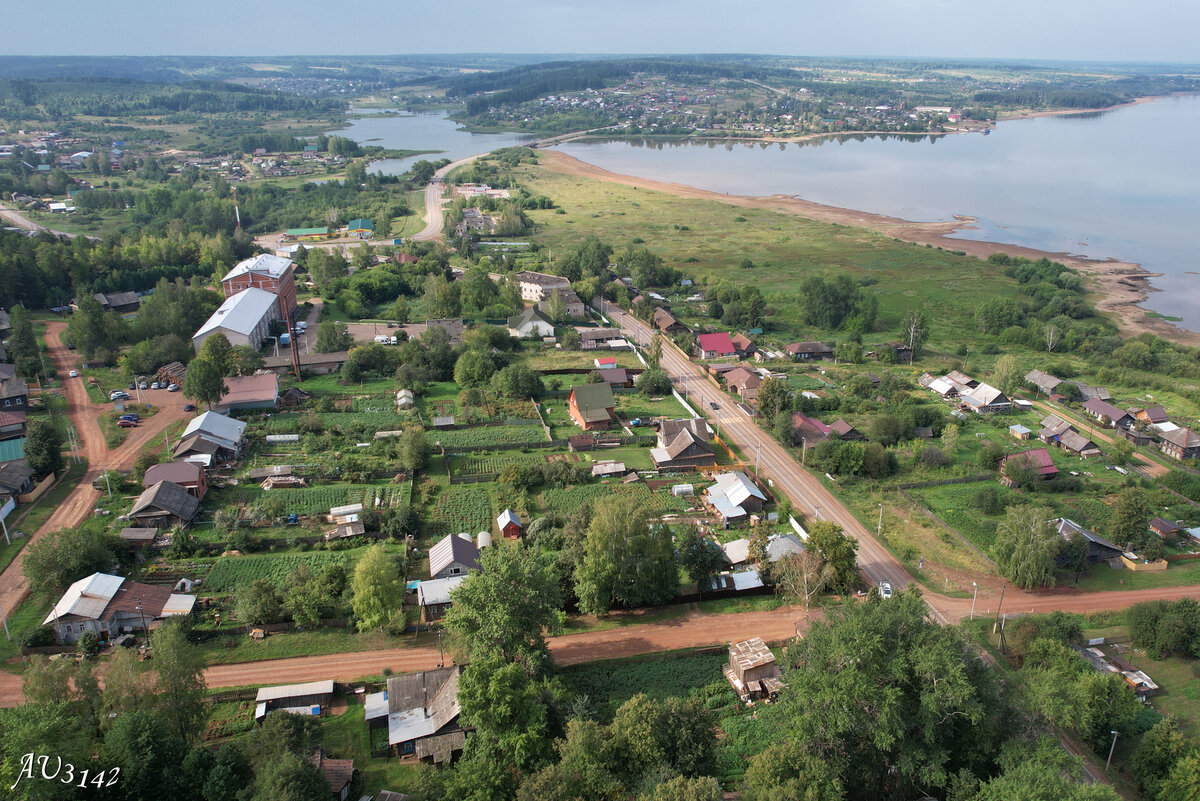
288	644
346	737
680	674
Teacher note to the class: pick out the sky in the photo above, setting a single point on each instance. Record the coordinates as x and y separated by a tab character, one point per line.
1083	30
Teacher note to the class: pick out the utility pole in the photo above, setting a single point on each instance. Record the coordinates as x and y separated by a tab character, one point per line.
108	484
1111	748
879	528
996	625
973	598
4	617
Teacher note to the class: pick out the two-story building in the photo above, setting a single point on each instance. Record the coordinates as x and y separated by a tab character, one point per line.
244	319
269	273
536	287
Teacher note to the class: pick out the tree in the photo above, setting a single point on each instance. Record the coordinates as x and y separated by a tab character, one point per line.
626	561
509	709
681	788
654	383
1156	755
90	328
414	449
1130	522
1007	374
52	563
22	343
179	680
699	555
895	700
127	683
838	551
204	383
217	350
259	603
1052	336
507	607
586	768
1183	782
244	360
332	338
473	369
378	589
788	771
1026	544
309	597
51	728
1044	773
800	576
290	777
773	397
143	745
915	330
886	429
43	448
516	381
655	351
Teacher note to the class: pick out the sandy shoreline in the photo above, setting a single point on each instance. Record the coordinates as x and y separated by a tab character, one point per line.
1118	286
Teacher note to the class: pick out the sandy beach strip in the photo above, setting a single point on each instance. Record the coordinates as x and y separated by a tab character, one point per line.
1117	286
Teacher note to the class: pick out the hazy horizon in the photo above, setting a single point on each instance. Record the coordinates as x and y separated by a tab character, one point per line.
1156	31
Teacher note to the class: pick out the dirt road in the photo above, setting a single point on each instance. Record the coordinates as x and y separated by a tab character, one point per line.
434	191
692	630
21	221
83	413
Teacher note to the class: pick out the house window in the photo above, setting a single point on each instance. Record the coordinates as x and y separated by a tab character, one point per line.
8	403
408	748
454	571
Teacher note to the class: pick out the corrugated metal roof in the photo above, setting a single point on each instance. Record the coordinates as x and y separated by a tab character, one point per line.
437	591
12	450
87	597
452	548
241	313
178	604
216	426
294	690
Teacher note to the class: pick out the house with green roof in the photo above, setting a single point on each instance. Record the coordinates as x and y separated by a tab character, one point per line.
530	323
591	406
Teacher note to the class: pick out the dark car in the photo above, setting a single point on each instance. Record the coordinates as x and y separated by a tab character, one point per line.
70	346
714	406
132	417
189	407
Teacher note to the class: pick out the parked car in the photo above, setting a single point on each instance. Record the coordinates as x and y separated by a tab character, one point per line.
133	386
172	387
73	374
70	346
154	385
143	385
127	423
714	406
132	417
118	394
189	407
885	589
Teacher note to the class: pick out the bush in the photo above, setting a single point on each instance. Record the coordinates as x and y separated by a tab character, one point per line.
990	456
933	457
987	500
36	638
88	644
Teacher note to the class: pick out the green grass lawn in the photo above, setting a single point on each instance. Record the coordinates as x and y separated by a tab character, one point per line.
30	519
1104	578
29	615
345	737
287	644
608	684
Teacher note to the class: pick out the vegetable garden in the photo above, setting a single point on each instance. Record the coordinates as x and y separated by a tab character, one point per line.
567	500
231	572
461	508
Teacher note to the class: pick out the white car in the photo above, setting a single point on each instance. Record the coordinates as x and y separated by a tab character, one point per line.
172	388
885	589
73	374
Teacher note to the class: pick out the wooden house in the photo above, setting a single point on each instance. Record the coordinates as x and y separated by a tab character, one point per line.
1164	528
683	445
1182	443
163	505
591	406
664	321
809	351
1108	415
1037	460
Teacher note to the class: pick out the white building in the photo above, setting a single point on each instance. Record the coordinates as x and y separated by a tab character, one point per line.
244	319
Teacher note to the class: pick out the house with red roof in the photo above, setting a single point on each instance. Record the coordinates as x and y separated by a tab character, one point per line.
715	346
1037	460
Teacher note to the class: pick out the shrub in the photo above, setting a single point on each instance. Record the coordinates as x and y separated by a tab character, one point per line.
88	644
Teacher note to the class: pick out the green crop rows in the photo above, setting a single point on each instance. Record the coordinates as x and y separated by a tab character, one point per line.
566	500
485	435
231	572
474	465
374	421
320	499
607	685
462	508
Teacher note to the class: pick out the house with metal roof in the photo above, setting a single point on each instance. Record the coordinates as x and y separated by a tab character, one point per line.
244	319
119	302
715	346
985	399
683	445
164	504
212	434
433	597
1180	443
453	555
1098	548
420	712
591	406
306	234
258	391
1037	460
360	227
530	323
734	495
1108	414
186	474
743	382
15	478
110	605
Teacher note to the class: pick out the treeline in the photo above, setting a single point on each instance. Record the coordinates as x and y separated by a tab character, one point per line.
112	97
277	142
1033	97
526	83
42	271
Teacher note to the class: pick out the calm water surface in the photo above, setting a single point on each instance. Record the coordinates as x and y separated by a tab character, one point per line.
423	131
1122	184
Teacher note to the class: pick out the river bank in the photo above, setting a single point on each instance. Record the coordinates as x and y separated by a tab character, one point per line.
1118	287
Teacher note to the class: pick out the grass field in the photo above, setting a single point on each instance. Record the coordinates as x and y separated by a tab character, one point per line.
785	248
345	737
609	684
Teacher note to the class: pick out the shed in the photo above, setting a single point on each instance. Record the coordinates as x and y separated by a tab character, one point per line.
509	524
1164	528
1019	431
306	699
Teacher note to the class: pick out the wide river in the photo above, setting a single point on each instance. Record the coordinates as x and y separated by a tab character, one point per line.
1122	184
